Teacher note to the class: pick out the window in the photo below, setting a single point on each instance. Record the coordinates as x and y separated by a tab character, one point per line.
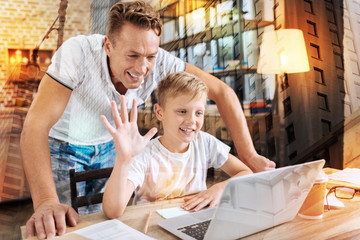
335	38
319	75
284	84
342	84
338	60
323	102
290	132
311	28
287	106
271	147
315	51
326	127
308	6
330	16
268	122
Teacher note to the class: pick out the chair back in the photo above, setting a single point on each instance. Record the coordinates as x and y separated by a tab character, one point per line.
75	177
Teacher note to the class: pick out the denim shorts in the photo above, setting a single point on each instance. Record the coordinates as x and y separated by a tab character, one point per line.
66	156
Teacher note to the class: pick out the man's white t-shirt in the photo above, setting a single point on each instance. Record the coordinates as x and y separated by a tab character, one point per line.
160	174
80	64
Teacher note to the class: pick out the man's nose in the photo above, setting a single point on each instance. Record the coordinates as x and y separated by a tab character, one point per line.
141	66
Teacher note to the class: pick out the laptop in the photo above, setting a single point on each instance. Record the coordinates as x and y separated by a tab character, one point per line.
250	204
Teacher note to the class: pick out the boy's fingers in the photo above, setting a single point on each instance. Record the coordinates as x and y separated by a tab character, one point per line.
150	134
115	114
133	114
124	113
107	124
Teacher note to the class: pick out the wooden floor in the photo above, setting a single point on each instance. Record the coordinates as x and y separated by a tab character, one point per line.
13	215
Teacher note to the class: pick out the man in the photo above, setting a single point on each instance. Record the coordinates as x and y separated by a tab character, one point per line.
63	128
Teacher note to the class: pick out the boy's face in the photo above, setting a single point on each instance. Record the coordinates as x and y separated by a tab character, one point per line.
132	55
182	118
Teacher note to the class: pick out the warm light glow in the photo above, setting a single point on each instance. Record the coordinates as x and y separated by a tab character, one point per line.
18	56
12	60
283	51
25	60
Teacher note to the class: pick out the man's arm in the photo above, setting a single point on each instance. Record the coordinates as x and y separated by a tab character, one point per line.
45	110
230	110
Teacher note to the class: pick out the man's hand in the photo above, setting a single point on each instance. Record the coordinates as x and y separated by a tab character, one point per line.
127	139
206	198
258	163
50	219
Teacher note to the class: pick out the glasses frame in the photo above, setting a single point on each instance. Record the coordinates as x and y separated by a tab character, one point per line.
333	189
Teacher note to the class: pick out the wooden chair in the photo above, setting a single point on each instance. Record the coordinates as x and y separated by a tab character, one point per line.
75	177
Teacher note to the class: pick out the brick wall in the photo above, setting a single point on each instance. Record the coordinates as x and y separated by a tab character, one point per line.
23	23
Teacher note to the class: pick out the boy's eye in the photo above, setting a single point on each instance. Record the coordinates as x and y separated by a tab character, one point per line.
199	113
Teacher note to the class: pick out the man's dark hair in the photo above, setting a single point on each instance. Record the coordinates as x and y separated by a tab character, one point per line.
139	13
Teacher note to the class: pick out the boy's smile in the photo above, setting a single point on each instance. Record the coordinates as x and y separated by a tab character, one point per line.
182	118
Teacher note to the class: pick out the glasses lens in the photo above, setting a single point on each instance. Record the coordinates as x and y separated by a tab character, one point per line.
344	192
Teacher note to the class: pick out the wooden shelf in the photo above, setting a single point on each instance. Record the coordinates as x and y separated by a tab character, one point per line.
255	24
203	36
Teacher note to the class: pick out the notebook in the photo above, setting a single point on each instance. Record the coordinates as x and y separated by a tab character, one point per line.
250	204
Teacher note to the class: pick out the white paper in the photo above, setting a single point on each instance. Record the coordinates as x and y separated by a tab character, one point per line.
351	175
110	230
172	212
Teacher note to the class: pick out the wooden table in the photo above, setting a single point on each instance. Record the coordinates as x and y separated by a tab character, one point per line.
337	223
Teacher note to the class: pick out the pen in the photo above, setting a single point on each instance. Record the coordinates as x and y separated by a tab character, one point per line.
147	222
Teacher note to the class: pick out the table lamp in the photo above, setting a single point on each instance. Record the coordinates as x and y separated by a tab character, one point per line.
283	51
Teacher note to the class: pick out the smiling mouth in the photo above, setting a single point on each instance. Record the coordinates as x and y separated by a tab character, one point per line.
133	75
186	130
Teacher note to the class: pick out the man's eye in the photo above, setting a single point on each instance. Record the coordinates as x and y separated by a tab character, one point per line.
182	111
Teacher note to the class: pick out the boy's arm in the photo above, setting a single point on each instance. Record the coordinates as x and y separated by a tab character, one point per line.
128	143
234	168
234	118
118	191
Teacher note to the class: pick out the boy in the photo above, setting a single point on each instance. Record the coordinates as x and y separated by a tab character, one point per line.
174	164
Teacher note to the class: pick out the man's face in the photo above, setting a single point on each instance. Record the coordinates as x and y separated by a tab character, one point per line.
182	118
131	55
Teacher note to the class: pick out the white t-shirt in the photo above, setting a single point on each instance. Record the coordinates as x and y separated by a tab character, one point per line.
160	174
80	64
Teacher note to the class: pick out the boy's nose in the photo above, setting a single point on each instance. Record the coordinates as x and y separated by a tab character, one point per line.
190	118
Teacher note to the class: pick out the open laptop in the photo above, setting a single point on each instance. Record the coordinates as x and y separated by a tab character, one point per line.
250	204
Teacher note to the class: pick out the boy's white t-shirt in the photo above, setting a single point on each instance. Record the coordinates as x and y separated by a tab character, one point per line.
159	174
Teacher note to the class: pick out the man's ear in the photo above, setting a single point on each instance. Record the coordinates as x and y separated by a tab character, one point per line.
107	45
158	111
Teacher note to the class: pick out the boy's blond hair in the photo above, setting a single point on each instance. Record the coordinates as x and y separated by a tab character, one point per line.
178	83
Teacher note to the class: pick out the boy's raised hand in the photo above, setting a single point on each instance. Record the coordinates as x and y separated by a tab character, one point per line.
127	139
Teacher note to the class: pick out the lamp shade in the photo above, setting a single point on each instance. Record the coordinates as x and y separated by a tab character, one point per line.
283	51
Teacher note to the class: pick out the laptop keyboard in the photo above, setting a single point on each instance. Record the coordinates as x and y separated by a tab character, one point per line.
197	230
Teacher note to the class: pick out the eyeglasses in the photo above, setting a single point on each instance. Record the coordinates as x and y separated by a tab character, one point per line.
342	192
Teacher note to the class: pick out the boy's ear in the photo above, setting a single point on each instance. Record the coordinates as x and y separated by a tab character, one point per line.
158	111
